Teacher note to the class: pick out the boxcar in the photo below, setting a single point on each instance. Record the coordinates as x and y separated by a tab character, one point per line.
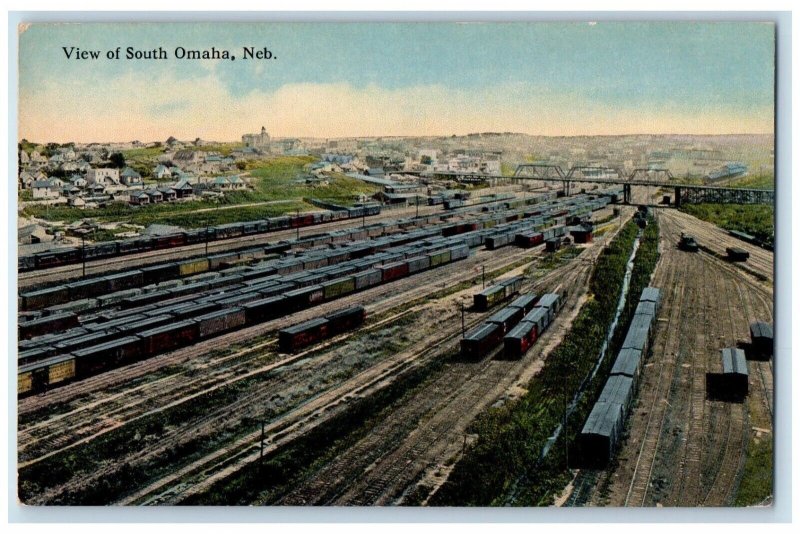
303	334
347	319
50	323
479	341
519	340
338	287
42	298
601	434
507	318
168	337
732	383
99	358
91	287
220	321
124	280
525	302
489	297
195	266
395	271
761	340
265	309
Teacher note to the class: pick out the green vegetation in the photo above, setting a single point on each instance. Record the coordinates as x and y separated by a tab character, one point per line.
756	220
766	181
756	484
25	195
272	181
502	465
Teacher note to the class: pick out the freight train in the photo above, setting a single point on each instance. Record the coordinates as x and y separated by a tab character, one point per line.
158	328
67	256
602	432
211	303
527	317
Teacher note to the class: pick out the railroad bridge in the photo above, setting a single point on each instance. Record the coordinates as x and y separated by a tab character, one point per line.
660	178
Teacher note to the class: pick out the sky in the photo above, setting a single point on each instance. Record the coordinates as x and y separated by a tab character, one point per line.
394	79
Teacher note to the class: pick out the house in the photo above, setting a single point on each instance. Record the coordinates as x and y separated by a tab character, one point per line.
24	159
161	172
26	178
106	177
76	202
185	157
183	189
32	233
236	182
97	189
37	157
168	194
130	177
139	198
43	189
221	183
155	196
78	181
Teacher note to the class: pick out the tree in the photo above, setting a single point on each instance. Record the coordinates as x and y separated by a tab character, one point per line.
117	160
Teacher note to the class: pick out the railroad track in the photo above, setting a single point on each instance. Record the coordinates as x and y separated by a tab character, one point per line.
170	392
64	272
237	458
673	299
375	299
380	467
504	257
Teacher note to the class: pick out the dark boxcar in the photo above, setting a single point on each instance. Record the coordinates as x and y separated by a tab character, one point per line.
507	318
600	434
519	340
302	335
168	337
525	302
618	389
479	341
737	254
158	273
732	383
220	321
82	289
42	298
540	318
124	280
761	340
347	319
512	285
24	357
394	271
265	309
50	323
305	297
99	358
628	363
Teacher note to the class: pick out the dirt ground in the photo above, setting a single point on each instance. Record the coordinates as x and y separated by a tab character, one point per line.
683	449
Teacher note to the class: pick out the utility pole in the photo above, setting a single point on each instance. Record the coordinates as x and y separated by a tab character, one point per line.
483	276
566	440
83	252
297	214
206	237
462	322
261	456
417	197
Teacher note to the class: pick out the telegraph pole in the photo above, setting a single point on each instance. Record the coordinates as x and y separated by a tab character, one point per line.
297	214
261	456
462	321
206	237
483	276
83	252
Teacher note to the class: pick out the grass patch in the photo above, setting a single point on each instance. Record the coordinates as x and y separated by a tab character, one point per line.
754	182
757	220
756	485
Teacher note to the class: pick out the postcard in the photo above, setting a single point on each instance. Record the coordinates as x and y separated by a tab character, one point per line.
425	264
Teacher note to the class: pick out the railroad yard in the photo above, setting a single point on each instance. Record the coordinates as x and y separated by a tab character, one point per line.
343	357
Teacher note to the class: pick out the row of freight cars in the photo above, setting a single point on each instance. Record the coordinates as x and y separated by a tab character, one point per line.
45	260
517	325
603	430
302	335
90	288
124	341
139	311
